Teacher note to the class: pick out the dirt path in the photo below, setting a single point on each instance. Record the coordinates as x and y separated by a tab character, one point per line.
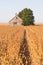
24	52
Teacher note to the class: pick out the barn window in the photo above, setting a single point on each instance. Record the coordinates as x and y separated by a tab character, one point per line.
16	18
14	22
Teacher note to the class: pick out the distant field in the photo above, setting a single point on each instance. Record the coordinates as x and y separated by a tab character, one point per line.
21	45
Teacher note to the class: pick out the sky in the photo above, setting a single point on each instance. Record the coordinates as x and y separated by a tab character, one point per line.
8	9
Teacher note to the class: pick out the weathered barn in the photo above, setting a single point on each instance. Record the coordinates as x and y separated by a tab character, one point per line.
16	20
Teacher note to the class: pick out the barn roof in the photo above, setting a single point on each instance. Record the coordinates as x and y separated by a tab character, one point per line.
16	18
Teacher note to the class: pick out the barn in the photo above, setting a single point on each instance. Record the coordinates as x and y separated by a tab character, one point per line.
16	20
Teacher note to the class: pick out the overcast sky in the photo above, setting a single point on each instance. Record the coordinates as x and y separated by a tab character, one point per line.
8	8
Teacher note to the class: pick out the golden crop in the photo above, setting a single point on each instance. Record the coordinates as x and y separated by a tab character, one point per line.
21	45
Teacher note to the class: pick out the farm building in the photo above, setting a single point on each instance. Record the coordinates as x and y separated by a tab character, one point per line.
16	20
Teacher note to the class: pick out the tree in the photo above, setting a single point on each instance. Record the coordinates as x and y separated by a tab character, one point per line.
27	16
